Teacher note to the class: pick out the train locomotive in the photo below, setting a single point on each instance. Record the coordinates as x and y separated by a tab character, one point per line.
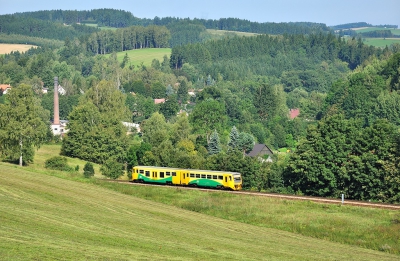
187	177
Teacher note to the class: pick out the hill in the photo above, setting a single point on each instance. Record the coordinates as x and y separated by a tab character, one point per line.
45	217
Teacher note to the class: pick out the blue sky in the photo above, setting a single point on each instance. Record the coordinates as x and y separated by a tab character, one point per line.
330	12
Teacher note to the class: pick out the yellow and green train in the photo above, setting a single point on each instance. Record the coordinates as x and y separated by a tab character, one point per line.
187	177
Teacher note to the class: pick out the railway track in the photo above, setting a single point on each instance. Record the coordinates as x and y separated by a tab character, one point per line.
281	196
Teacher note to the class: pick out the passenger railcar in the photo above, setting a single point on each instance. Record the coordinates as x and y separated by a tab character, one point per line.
187	177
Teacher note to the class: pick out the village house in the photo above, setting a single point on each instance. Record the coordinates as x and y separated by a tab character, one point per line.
262	152
5	88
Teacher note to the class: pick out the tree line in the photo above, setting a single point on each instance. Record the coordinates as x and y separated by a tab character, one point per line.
120	18
11	24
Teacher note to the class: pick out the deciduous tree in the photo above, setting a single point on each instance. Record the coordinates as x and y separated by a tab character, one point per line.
21	125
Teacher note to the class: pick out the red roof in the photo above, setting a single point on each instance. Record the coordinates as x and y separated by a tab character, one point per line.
293	113
157	101
4	87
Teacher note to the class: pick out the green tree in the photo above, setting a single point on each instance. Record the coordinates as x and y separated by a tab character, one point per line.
183	92
181	129
214	146
21	125
158	90
169	108
208	115
245	142
112	169
125	61
94	136
88	170
131	157
155	129
233	138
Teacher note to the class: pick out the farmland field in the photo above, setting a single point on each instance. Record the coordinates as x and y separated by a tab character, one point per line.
380	42
370	29
225	32
144	56
102	27
8	48
44	217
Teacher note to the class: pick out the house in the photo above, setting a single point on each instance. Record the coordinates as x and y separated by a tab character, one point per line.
260	151
158	101
5	88
59	129
61	90
131	125
293	113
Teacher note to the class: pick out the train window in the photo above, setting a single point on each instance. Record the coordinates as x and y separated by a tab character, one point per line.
141	171
174	174
226	179
208	176
236	178
168	173
220	177
191	175
161	174
230	178
214	176
147	173
187	175
203	176
198	176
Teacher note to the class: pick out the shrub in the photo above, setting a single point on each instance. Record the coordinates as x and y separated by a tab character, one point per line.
88	170
112	169
58	163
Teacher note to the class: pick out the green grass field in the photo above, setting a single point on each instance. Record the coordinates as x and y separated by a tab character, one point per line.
49	215
145	56
380	42
370	29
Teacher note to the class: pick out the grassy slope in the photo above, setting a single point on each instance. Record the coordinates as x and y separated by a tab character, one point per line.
144	55
380	42
46	218
370	29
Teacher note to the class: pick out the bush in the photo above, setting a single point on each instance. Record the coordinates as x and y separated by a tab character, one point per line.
58	163
112	169
88	170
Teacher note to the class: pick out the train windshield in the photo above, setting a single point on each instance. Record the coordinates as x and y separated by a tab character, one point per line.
237	178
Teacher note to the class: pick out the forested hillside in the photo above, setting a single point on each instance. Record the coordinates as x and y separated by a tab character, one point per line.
218	97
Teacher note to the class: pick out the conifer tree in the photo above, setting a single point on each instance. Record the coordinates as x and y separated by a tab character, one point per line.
233	138
214	146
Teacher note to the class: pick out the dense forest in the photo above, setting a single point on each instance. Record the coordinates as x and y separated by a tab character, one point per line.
221	97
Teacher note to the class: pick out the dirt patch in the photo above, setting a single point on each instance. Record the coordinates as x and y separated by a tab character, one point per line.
8	48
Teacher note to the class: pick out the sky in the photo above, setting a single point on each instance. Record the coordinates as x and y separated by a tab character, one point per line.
329	12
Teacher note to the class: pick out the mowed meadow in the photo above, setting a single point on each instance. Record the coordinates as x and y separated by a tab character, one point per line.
52	215
145	56
8	48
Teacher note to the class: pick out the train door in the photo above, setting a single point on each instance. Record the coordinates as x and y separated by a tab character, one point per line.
176	177
184	178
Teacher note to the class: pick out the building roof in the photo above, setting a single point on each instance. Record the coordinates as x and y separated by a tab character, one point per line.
293	113
157	101
257	149
4	87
